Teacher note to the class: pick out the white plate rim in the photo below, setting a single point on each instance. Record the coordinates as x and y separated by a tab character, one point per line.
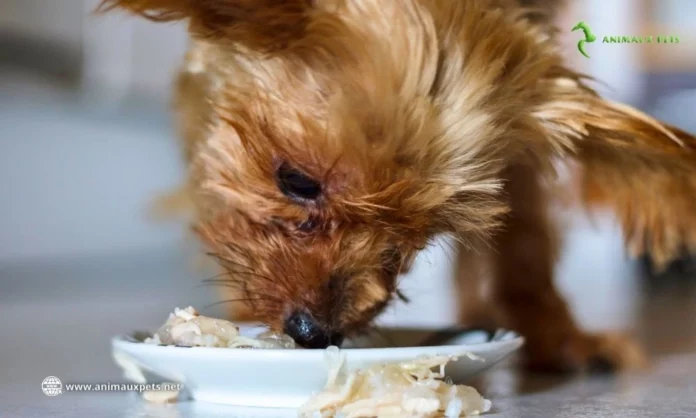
307	354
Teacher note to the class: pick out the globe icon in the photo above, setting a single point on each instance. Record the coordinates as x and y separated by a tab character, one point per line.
52	386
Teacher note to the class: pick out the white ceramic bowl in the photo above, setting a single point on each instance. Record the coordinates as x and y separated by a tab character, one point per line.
287	378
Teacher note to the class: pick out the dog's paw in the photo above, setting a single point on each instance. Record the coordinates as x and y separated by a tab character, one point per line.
604	352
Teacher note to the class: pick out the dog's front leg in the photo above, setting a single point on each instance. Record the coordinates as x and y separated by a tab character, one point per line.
522	294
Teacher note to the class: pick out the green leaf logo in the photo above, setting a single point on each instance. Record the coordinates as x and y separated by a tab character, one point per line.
589	37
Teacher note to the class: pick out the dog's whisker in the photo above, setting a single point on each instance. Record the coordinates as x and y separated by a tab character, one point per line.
232	273
238	300
375	330
248	292
402	297
224	260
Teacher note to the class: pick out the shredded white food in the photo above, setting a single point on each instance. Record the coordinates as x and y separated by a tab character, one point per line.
161	396
186	327
131	369
133	372
409	389
393	390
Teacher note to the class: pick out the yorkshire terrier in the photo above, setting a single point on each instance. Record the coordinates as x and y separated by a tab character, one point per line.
329	141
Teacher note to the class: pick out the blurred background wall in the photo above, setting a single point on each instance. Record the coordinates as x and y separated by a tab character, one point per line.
86	138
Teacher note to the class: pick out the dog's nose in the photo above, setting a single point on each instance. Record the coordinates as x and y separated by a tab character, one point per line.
307	332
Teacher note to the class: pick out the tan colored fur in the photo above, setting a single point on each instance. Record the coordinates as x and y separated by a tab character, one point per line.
419	117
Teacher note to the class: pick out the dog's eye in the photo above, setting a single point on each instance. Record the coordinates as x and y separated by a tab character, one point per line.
297	185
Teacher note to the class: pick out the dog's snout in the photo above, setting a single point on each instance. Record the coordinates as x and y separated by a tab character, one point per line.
307	332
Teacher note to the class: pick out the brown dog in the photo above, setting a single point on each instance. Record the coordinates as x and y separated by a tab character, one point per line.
331	140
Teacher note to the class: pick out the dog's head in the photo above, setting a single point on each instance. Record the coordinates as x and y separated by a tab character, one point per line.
346	136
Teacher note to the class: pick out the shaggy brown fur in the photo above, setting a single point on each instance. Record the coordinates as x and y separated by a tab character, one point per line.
415	118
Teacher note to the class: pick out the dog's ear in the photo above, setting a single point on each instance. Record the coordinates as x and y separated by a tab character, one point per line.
643	169
260	24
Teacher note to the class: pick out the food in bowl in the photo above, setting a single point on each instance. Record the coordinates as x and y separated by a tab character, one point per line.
161	396
401	389
186	327
408	389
